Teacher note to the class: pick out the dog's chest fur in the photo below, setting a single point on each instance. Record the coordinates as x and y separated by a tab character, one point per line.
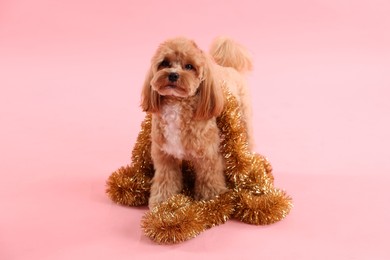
176	132
171	116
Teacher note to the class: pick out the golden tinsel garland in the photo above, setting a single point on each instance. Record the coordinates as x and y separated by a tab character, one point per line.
173	221
130	185
181	218
252	197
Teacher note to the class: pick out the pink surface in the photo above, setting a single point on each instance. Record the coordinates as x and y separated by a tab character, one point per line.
70	78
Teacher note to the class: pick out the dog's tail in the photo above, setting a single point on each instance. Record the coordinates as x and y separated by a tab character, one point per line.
228	53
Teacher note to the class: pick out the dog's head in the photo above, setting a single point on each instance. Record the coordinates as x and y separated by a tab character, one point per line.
180	69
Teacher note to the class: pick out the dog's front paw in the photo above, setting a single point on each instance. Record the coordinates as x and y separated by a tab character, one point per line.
157	198
154	201
206	192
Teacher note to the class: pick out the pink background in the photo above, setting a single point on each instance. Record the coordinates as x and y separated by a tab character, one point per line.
70	79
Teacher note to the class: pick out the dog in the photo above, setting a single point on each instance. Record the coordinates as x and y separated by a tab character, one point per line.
184	92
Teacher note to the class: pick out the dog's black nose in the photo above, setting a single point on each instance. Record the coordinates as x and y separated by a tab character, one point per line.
173	77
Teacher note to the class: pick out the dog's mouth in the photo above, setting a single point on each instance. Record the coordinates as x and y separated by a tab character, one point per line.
173	90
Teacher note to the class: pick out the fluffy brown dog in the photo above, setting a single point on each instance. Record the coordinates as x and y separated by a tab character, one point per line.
183	91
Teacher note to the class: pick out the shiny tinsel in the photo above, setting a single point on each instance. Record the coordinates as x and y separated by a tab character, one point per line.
252	197
173	221
181	218
130	185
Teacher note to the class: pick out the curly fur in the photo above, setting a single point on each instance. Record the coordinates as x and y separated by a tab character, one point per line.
183	91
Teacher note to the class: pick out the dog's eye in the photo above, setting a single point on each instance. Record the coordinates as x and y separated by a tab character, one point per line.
165	64
189	67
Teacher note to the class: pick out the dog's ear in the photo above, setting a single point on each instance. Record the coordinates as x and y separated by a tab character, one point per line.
210	92
150	99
